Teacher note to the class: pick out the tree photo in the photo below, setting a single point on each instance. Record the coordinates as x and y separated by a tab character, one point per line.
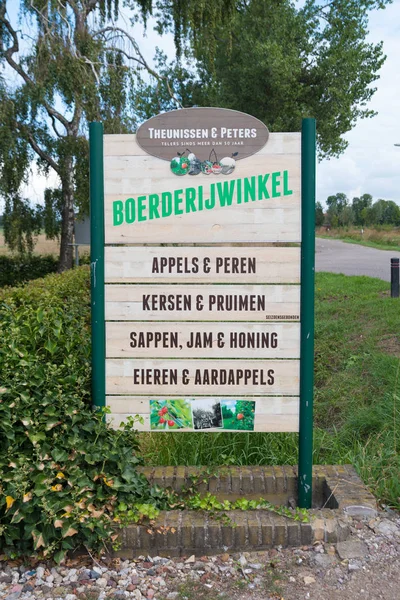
170	414
238	414
206	413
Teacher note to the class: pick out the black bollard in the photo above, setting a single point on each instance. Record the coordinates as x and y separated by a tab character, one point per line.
394	277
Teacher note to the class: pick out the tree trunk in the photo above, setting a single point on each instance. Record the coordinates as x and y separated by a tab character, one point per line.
68	220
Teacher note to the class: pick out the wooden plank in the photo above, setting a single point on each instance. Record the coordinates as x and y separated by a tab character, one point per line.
191	340
201	265
262	423
219	303
267	405
244	226
125	144
274	216
132	176
222	377
271	414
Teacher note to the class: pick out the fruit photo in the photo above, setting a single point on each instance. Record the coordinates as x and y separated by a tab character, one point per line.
170	414
206	413
238	414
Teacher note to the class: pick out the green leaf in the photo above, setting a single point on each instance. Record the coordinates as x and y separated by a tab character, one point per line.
50	346
59	556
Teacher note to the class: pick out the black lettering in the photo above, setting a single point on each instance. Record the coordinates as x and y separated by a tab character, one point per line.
195	263
252	265
145	302
133	338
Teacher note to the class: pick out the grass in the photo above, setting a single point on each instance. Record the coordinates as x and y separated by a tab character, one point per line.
383	238
357	395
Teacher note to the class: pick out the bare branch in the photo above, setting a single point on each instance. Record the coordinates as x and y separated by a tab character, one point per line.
76	119
35	146
90	6
54	125
91	63
68	26
9	52
139	58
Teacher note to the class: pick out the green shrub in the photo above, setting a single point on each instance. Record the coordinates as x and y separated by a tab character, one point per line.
19	269
63	471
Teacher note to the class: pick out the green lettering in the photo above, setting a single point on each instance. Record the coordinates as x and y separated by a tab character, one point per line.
262	186
141	207
239	191
286	191
177	201
190	196
118	212
154	201
225	192
275	184
130	210
249	189
166	204
211	202
200	201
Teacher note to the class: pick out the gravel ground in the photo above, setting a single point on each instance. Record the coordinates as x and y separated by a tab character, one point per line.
367	566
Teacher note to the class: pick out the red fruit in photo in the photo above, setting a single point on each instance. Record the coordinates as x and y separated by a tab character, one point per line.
240	416
161	412
164	410
171	423
161	420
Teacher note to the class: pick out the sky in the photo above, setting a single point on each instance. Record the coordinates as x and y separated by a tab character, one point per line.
371	163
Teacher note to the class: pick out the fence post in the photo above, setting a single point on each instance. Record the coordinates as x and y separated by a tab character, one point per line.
97	262
308	134
394	277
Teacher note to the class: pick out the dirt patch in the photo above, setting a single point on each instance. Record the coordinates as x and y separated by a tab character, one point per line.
366	567
390	345
43	246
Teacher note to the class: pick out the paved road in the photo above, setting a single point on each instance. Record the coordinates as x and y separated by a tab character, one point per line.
336	256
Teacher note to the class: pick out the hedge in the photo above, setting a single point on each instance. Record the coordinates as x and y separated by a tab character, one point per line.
19	269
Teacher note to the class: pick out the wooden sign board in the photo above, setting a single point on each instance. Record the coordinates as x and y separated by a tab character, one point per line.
271	413
202	303
202	318
147	203
230	377
126	264
196	340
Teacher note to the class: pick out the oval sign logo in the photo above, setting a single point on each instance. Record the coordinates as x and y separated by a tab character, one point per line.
208	134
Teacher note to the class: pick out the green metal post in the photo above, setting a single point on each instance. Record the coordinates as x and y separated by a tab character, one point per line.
307	311
97	262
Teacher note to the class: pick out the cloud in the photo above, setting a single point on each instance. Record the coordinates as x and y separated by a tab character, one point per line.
371	164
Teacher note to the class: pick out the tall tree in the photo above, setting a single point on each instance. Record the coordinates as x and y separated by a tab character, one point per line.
319	214
62	60
384	212
71	63
358	205
281	62
337	205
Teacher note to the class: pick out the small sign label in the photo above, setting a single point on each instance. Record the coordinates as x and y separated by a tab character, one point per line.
214	135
